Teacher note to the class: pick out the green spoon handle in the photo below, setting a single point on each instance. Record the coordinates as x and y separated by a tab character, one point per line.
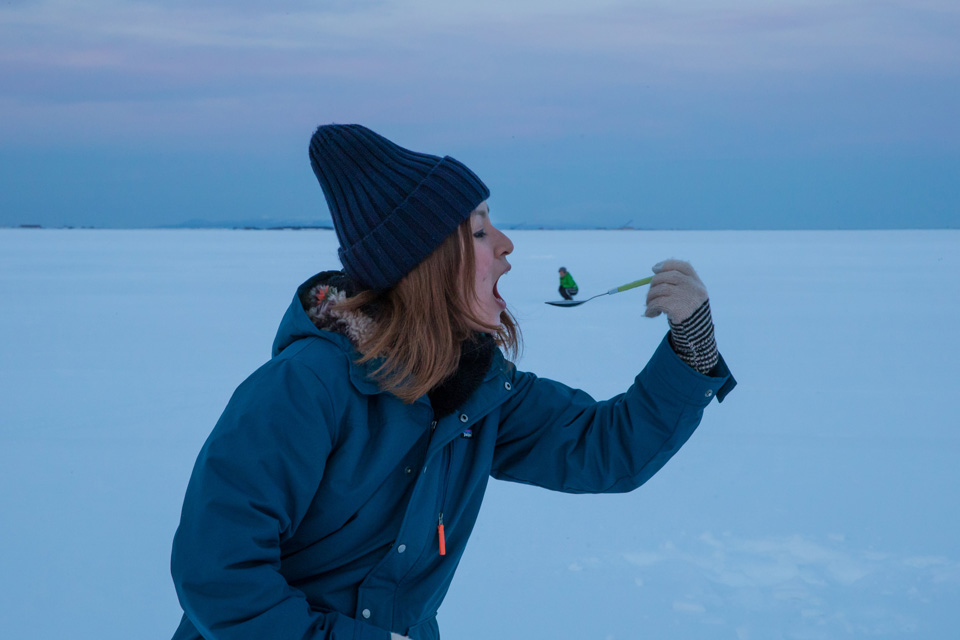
632	285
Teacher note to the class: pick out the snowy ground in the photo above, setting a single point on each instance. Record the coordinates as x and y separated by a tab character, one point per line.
819	501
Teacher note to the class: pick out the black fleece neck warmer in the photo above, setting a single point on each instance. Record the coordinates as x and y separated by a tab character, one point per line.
476	355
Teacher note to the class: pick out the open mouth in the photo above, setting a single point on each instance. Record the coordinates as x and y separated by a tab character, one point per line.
496	293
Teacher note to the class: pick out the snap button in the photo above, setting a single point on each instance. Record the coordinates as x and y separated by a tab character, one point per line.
507	386
366	613
408	470
708	393
463	417
401	548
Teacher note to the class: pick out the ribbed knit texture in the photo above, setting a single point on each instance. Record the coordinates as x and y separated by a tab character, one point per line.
693	339
391	207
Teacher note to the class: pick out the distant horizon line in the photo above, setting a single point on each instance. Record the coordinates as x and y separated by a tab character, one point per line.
522	226
507	226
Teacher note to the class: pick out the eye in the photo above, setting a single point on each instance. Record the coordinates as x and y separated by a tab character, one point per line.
480	234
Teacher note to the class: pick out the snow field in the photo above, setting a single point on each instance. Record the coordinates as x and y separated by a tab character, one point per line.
818	501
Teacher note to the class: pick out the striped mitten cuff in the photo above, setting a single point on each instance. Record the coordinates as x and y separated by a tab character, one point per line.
693	340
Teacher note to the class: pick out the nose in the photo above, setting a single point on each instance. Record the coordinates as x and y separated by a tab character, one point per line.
504	245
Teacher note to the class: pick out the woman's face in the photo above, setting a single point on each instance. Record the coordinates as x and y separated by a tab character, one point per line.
490	250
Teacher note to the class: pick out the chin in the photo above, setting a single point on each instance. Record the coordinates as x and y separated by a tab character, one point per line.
489	323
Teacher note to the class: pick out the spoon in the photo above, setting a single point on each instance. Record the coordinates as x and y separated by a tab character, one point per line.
574	303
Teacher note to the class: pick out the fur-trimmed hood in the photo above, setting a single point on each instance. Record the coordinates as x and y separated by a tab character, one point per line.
310	314
321	293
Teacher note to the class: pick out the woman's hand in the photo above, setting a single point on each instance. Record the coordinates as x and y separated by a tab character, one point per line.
675	290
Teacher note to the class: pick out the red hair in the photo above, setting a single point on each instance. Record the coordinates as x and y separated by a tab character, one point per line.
422	320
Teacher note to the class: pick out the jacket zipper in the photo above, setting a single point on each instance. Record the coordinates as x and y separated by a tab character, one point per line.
443	492
443	499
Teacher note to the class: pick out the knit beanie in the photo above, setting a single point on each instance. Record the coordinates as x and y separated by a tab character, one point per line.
391	207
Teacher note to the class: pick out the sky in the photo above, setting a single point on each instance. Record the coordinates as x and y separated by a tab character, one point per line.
690	114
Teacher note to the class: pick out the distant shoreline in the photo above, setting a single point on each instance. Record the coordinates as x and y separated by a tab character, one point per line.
304	227
506	227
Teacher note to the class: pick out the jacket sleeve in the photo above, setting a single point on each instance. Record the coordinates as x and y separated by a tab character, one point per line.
562	439
251	487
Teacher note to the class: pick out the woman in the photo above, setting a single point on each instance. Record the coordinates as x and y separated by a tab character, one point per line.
335	495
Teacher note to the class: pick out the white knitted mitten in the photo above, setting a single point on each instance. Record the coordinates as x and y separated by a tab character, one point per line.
675	290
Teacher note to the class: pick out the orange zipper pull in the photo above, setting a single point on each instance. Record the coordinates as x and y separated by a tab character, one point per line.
443	540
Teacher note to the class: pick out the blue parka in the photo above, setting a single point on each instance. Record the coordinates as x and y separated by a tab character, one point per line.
313	508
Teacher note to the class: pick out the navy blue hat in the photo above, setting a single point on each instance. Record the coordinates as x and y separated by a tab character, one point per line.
391	207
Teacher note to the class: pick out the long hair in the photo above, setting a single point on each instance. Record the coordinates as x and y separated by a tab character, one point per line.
422	321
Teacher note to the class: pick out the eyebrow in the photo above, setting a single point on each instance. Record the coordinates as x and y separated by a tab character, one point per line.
481	212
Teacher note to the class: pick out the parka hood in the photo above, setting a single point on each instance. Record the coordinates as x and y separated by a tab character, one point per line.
309	313
309	316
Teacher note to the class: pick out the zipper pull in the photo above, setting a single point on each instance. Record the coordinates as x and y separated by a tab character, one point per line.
443	540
